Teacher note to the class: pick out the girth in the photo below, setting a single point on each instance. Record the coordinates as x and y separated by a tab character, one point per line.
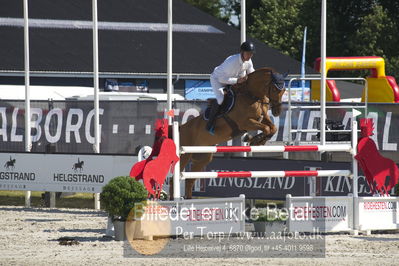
234	127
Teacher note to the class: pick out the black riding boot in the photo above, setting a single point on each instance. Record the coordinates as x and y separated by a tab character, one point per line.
212	117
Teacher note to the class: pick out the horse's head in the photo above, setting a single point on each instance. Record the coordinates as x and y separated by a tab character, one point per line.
266	82
276	92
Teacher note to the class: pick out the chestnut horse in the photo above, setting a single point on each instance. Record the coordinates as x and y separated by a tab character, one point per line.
262	90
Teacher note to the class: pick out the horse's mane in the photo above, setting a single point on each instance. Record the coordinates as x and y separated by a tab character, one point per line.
259	73
262	69
253	75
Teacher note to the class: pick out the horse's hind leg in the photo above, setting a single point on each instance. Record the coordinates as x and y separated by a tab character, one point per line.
184	159
199	161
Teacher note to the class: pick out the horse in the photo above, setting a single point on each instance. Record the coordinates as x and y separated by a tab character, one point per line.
10	164
78	165
262	90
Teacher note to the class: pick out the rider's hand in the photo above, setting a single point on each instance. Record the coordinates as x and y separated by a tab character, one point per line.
241	80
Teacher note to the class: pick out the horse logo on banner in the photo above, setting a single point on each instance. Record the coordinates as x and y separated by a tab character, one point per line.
10	164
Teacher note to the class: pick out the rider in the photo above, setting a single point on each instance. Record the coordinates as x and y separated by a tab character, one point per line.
233	70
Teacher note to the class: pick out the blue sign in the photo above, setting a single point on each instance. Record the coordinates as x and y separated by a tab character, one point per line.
198	90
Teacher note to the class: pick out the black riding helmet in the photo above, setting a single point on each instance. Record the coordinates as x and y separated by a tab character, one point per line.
248	46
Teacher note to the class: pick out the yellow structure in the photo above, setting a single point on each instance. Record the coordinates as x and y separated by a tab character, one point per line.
381	88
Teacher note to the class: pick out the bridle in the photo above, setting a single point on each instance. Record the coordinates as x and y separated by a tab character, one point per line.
277	80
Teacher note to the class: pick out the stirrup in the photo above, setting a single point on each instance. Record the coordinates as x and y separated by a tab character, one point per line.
212	130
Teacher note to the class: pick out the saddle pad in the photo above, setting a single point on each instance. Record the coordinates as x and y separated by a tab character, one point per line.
227	105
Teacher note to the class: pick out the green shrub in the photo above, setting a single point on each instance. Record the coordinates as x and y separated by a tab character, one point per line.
397	190
275	215
120	195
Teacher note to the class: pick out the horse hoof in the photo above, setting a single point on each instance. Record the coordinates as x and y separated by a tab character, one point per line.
256	141
247	138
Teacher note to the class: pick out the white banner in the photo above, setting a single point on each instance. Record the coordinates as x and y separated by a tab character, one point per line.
319	214
61	172
199	217
378	213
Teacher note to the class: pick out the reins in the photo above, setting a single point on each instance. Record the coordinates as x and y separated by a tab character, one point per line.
264	100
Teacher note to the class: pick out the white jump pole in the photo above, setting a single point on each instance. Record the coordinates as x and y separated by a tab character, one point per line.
176	175
170	60
243	22
323	73
96	88
255	149
28	142
355	178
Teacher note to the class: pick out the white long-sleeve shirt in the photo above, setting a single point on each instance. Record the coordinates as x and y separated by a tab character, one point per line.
231	69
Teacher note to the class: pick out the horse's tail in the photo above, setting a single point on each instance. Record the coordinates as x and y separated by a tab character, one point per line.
170	131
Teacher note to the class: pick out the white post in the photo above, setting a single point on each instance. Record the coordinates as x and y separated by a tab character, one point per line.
303	63
28	142
169	58
355	177
243	39
243	154
52	199
243	22
176	175
289	113
288	203
323	73
96	88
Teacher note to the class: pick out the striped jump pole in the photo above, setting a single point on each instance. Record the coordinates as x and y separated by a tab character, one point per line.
260	174
300	148
263	174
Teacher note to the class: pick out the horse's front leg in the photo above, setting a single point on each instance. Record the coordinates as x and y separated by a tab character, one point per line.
199	161
184	159
265	136
266	126
272	128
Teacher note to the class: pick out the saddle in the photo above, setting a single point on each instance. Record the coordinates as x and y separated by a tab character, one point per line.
227	105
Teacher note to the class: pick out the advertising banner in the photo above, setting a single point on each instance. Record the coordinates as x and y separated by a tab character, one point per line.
298	93
61	172
128	125
198	90
199	217
378	213
277	187
321	214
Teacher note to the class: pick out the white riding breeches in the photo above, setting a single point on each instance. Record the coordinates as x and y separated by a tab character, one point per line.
218	89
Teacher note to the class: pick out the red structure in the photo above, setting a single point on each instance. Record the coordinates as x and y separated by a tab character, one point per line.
154	171
381	173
